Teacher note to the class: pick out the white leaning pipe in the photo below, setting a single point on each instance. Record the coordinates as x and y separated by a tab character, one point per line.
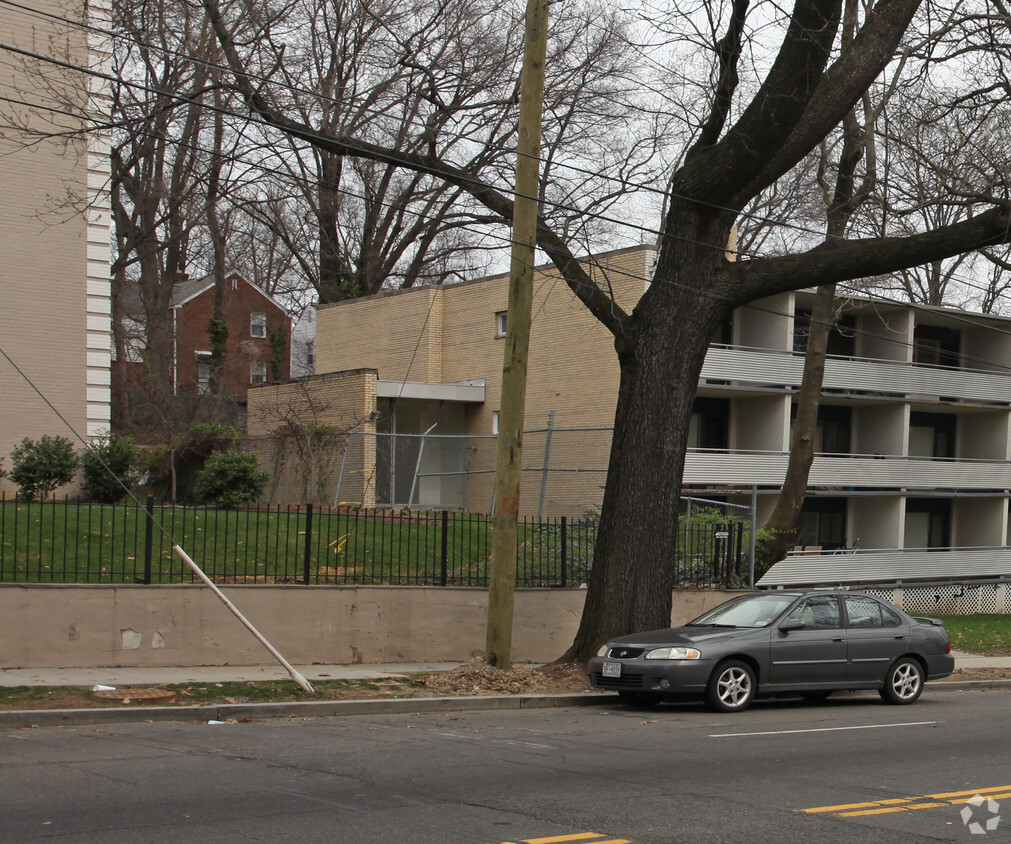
295	675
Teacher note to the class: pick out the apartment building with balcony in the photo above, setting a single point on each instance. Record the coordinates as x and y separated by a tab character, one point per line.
913	445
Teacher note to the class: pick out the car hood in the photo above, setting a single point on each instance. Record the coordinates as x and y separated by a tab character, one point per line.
681	636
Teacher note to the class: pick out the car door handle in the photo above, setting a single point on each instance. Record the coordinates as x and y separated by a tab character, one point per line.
900	636
837	638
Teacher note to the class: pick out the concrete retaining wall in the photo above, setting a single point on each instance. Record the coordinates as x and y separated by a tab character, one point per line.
54	626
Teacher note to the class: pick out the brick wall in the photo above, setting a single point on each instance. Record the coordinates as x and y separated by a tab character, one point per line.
241	300
299	432
450	334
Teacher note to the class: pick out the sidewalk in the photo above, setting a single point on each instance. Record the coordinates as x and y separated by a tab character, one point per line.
88	677
138	677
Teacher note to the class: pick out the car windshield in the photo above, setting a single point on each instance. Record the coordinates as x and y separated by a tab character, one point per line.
749	611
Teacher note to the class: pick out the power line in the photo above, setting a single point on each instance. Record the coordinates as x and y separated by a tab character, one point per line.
390	158
504	240
393	159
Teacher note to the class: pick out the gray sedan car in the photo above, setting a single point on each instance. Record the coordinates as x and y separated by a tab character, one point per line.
810	643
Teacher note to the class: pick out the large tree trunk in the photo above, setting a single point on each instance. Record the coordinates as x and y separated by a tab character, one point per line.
632	577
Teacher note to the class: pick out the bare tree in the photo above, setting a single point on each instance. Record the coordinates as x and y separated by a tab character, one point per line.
300	427
740	149
435	78
171	155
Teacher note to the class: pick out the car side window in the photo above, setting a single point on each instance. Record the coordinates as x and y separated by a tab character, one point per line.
890	618
862	612
819	612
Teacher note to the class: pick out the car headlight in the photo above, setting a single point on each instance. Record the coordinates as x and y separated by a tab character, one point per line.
674	653
602	651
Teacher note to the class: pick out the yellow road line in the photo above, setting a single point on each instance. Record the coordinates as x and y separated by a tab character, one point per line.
903	804
859	805
890	809
556	839
971	792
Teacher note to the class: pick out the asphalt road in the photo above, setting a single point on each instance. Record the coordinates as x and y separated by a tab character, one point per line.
590	774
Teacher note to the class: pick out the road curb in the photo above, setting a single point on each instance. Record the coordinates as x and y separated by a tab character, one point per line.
966	685
23	718
26	718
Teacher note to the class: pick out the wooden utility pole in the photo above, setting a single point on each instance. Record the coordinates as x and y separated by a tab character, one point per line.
502	581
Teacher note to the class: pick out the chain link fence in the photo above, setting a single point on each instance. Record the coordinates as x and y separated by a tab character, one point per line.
564	471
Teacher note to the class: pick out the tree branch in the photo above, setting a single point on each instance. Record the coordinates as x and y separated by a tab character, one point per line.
840	88
718	173
602	306
852	259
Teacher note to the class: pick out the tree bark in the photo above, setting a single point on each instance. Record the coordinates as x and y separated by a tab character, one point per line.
632	576
780	526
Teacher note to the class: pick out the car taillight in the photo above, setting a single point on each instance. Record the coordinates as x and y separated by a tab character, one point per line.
949	647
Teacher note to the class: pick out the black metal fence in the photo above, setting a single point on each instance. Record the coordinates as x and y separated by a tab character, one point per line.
68	542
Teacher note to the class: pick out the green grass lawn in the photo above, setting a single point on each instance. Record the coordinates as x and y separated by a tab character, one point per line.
63	542
979	633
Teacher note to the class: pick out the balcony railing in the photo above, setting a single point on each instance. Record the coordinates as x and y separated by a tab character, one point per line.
758	468
859	375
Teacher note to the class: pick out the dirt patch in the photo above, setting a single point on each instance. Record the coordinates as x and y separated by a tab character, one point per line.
980	674
477	677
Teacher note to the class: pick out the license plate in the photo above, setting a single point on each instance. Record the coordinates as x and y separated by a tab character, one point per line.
612	669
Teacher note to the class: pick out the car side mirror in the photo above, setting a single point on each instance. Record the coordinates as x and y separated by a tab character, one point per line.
791	624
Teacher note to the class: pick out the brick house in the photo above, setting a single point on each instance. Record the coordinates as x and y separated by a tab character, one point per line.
259	337
258	345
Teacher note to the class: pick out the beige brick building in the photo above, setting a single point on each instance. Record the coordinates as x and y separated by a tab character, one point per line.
913	445
438	353
54	230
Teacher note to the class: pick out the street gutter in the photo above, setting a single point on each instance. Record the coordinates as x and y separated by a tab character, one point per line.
236	712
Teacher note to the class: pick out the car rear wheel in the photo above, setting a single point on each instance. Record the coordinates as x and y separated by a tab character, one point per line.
731	687
638	699
903	683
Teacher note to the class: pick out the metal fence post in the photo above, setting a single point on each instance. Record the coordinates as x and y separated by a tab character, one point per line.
565	551
148	540
445	545
417	466
307	557
547	462
754	531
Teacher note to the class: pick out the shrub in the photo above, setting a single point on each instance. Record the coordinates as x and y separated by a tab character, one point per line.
110	469
40	467
229	478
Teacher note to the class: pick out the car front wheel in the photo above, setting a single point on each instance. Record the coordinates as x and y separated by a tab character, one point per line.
732	687
903	683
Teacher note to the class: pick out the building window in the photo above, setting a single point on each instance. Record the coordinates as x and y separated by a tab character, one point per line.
822	523
258	373
936	346
841	340
709	427
932	435
928	523
257	324
203	373
494	422
500	323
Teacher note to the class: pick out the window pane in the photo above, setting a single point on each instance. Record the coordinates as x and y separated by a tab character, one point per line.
862	612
